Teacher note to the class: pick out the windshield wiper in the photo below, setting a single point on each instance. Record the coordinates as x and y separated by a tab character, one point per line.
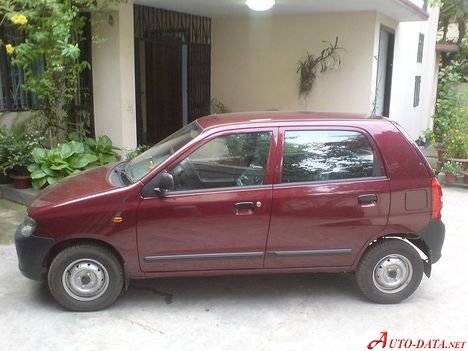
125	178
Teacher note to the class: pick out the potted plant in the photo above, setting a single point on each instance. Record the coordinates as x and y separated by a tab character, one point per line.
18	157
451	170
4	140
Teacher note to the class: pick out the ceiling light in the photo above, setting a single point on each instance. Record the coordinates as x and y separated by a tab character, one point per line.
260	5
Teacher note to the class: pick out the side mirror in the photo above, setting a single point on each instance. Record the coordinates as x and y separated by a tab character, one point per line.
166	182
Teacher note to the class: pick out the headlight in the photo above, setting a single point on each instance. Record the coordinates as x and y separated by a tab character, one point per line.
28	226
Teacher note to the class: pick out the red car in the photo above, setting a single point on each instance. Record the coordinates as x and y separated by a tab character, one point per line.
248	193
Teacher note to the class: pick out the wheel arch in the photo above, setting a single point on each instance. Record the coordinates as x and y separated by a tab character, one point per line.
60	246
410	238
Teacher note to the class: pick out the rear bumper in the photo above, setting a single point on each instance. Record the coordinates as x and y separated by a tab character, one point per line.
431	239
31	253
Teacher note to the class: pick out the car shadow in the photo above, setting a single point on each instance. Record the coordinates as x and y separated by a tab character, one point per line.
252	287
319	287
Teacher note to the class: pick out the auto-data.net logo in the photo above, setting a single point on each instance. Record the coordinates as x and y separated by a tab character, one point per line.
417	344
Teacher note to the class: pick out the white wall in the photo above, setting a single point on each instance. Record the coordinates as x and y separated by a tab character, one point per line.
254	61
114	78
414	119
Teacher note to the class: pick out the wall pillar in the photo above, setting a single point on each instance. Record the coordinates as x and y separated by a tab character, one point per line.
114	77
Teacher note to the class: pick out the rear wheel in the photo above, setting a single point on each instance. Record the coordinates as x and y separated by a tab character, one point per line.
85	278
390	271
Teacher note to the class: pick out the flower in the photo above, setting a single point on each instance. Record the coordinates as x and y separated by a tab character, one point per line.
9	49
19	19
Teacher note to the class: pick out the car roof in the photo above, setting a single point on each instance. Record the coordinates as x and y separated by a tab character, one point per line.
275	117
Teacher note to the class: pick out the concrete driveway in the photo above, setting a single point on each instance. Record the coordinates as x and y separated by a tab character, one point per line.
295	312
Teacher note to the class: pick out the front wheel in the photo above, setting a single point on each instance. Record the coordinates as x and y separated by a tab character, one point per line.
85	278
390	271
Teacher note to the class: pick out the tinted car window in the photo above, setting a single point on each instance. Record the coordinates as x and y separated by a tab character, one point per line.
327	155
228	161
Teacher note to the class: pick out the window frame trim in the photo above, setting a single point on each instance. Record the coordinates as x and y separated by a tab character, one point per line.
280	152
197	144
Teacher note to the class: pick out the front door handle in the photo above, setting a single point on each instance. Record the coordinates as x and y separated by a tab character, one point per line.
244	206
367	198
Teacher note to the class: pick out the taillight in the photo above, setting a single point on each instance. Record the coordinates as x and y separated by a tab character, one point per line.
436	199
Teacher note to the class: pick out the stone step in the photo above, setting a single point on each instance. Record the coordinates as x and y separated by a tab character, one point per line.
20	196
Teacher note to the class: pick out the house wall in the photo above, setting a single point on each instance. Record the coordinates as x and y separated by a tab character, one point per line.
254	61
114	77
414	119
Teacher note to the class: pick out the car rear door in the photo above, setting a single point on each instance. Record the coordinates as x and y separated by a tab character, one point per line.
330	197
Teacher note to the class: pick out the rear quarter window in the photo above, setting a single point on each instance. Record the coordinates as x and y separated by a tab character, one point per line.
320	155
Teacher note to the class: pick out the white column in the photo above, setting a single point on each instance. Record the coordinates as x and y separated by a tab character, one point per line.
114	77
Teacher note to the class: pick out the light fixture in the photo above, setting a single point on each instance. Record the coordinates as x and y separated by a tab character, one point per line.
260	5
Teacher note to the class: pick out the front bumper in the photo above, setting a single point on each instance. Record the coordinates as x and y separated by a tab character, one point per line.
31	253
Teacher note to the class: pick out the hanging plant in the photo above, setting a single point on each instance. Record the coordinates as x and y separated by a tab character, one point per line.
310	65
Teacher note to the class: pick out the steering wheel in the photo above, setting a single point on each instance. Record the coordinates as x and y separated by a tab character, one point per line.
185	176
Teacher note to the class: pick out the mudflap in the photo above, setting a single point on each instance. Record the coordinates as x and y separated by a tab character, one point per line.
427	268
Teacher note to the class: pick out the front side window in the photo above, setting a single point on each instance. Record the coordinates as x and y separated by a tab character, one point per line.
235	160
327	155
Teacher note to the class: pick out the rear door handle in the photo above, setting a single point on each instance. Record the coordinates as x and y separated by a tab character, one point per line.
367	198
244	206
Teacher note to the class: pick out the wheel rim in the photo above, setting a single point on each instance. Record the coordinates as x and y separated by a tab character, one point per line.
392	273
85	279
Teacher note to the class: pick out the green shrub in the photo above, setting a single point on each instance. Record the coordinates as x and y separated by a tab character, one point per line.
51	165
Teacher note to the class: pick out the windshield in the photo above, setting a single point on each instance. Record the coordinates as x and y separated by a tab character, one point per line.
150	159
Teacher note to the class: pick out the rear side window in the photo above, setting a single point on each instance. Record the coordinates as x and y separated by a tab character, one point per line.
327	155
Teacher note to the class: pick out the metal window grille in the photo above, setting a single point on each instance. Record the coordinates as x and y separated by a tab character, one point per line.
12	95
154	24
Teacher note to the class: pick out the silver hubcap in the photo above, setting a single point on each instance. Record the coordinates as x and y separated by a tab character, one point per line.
85	280
392	274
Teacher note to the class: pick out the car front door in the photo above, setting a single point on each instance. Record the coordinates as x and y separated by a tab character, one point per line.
217	215
329	199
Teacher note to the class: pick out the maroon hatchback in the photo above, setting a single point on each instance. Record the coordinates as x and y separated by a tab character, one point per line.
248	193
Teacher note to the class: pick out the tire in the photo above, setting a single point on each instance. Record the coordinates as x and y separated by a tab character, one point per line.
390	271
85	278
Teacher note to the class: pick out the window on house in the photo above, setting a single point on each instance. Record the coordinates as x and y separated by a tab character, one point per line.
420	48
417	90
12	96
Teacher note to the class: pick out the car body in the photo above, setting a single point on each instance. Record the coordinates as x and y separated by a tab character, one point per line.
246	193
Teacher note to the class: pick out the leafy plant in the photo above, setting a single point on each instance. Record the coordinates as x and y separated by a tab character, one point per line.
310	65
451	117
68	158
3	142
217	106
454	15
43	40
102	148
132	153
450	167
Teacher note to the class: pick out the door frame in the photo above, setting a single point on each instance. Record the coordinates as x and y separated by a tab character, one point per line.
389	57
